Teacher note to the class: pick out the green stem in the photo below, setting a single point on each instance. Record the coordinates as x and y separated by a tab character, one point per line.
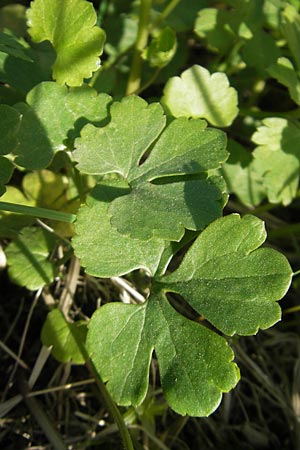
101	12
168	9
114	410
134	80
37	212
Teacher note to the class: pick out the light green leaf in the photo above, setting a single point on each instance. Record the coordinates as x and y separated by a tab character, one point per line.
9	126
195	363
283	71
241	175
103	251
28	258
290	25
77	41
196	93
6	170
57	114
161	49
228	279
186	148
120	145
66	339
277	158
12	46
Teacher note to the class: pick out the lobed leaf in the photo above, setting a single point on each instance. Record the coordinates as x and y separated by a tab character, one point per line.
77	41
172	182
228	279
66	339
103	251
57	115
195	363
283	71
198	94
161	49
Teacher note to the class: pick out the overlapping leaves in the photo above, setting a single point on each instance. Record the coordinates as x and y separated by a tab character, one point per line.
225	277
172	183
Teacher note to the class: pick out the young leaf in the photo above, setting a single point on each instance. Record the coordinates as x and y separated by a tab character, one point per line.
66	339
27	258
195	363
228	279
196	93
103	251
56	113
6	170
161	49
277	158
185	148
77	41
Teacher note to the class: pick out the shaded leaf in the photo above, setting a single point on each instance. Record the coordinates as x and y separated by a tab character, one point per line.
6	170
56	113
66	339
103	251
241	175
186	148
77	41
12	46
290	25
283	71
228	279
196	93
9	127
195	363
277	158
28	258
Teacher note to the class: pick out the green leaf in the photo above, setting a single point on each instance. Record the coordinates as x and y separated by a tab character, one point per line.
66	339
195	363
196	93
268	51
182	17
57	114
214	25
161	49
228	279
9	127
184	149
283	71
103	251
277	158
11	223
28	258
176	206
6	170
77	41
13	46
120	145
290	25
241	175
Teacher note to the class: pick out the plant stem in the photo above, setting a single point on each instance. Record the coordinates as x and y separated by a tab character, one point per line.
101	12
37	212
168	9
114	410
134	80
